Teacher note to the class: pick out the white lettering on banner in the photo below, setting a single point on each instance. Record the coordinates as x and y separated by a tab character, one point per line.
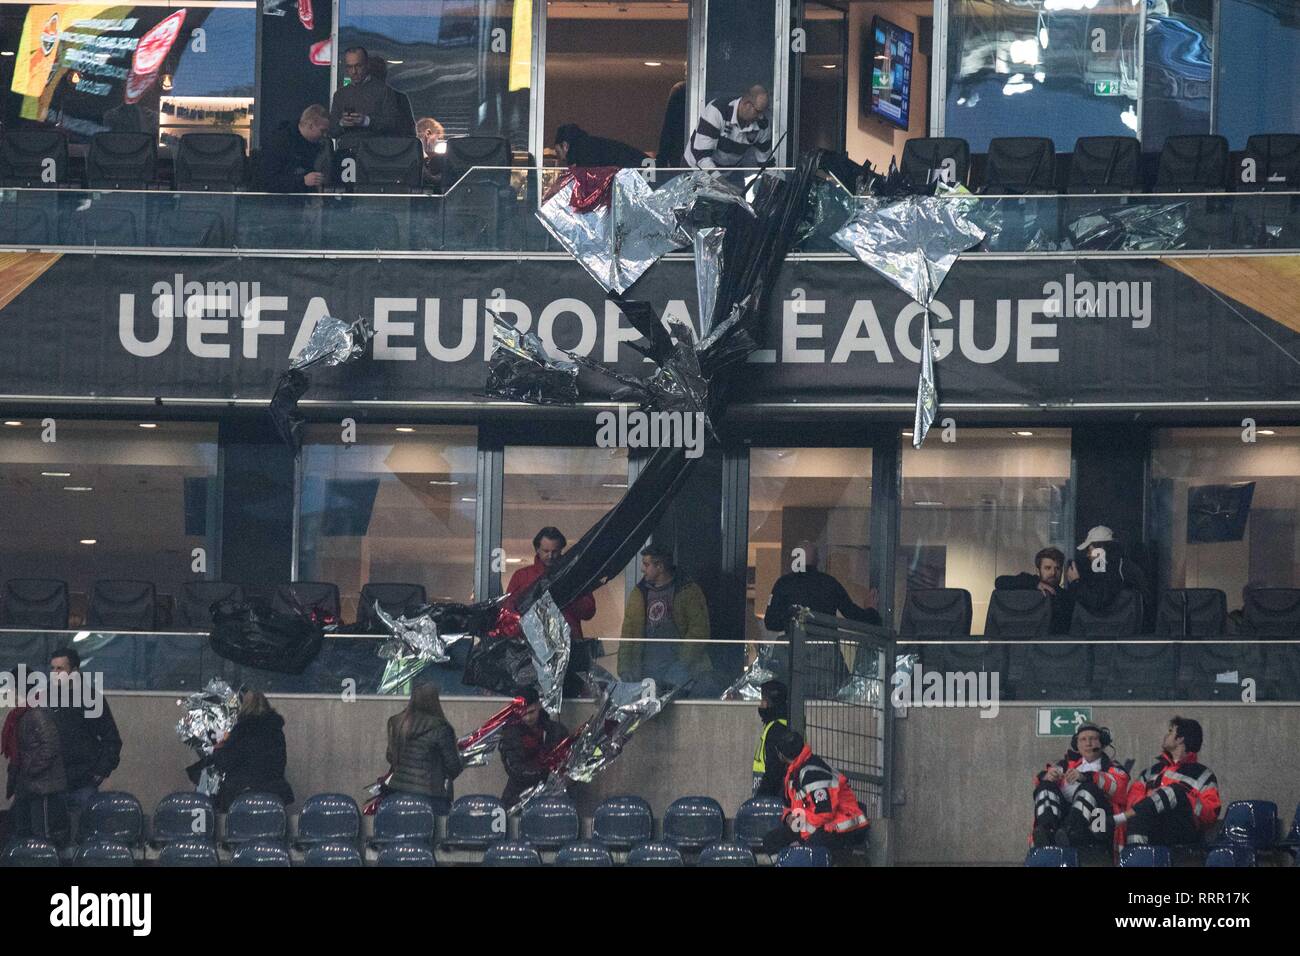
317	309
616	333
1027	330
523	319
863	316
197	325
546	326
126	329
254	325
792	331
433	339
903	331
384	329
966	334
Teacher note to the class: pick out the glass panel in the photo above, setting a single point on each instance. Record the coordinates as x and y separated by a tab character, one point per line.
612	68
395	506
571	489
803	496
1259	58
741	53
465	63
85	501
1056	68
1226	512
1178	59
823	79
981	507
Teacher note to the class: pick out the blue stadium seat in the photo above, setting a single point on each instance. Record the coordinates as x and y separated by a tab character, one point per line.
804	856
1250	823
1140	856
404	818
727	854
255	816
692	823
328	818
1230	856
583	854
549	823
261	853
30	853
112	817
184	816
476	821
623	822
188	853
512	853
756	817
651	853
333	854
1052	856
405	854
98	853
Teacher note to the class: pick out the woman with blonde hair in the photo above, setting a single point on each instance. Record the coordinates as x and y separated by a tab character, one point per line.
252	758
422	750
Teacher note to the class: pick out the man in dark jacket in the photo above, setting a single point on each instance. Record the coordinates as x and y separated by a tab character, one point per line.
524	744
291	157
574	146
37	782
814	589
366	106
92	747
1049	564
774	712
1096	581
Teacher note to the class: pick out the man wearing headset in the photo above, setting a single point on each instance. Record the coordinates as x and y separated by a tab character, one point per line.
1076	798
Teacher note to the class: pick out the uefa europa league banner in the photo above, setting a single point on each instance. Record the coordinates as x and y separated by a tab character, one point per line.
1029	332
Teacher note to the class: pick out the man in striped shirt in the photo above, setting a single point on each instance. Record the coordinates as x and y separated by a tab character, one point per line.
729	130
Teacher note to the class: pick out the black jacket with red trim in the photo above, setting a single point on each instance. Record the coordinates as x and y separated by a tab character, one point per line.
1111	779
1188	774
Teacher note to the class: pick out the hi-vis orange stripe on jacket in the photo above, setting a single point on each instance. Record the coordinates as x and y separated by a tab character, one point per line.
824	795
1110	779
1189	774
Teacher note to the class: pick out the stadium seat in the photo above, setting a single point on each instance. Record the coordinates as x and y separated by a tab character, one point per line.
210	161
621	823
111	817
121	161
122	606
583	854
727	854
395	599
1052	856
479	201
405	854
964	657
1213	670
255	817
1250	823
692	823
1059	669
1192	612
34	159
1018	616
466	153
651	853
512	853
935	614
1122	619
261	853
404	818
1105	164
549	823
188	853
800	855
333	854
35	603
757	817
328	818
927	159
97	854
476	821
1145	856
1281	671
317	598
389	164
1020	165
1272	612
1274	163
1136	671
184	816
1230	856
194	600
30	852
1193	164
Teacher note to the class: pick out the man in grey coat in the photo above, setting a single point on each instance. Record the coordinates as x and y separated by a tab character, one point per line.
366	106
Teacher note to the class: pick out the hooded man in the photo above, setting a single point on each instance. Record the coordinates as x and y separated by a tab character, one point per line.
774	712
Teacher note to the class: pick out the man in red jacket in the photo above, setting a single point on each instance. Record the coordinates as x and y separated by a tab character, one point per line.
1076	798
1177	799
548	545
820	807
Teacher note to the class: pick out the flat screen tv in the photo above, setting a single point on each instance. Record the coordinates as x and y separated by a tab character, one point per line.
889	96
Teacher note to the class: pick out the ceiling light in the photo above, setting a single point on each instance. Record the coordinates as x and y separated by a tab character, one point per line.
404	429
396	62
1023	434
89	541
6	52
615	484
148	425
469	500
828	66
14	424
443	484
77	488
928	504
907	434
654	63
1265	431
56	474
514	560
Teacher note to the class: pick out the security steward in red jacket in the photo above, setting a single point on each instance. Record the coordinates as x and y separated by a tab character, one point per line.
1177	799
820	808
1076	798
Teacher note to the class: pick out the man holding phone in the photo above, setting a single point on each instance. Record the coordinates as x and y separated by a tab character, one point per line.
364	106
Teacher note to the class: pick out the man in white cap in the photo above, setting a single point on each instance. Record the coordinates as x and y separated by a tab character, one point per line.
1096	580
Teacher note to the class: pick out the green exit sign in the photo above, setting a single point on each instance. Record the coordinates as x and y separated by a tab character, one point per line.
1105	88
1062	721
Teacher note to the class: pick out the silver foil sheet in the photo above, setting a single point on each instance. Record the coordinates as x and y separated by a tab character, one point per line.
547	633
334	342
